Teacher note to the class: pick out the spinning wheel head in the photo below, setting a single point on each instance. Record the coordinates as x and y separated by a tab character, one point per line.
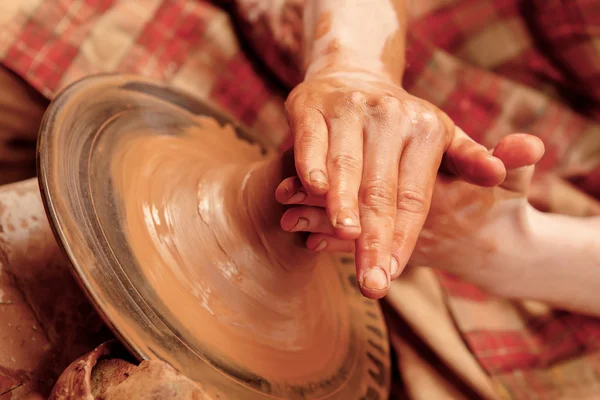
169	221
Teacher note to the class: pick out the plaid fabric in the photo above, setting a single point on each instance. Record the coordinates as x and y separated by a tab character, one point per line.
189	44
495	66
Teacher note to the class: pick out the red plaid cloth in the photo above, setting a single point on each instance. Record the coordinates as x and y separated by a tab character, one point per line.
190	44
495	66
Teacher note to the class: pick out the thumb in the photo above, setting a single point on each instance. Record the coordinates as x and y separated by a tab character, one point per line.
519	153
471	161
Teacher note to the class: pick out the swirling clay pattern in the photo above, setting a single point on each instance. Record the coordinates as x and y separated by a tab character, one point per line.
200	216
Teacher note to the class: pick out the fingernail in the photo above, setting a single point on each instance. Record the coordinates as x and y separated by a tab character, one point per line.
297	198
318	178
375	279
346	218
394	267
321	245
300	225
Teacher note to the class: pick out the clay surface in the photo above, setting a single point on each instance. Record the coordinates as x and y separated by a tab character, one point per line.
199	229
171	224
47	321
200	216
103	375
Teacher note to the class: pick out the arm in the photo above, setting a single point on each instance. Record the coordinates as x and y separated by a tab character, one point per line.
560	261
366	35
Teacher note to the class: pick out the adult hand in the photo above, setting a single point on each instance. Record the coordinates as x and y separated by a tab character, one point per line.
372	151
469	228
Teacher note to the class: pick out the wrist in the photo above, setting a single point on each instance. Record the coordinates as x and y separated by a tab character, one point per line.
535	257
509	252
364	71
361	33
519	253
558	261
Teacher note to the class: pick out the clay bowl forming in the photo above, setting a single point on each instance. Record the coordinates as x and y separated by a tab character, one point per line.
75	147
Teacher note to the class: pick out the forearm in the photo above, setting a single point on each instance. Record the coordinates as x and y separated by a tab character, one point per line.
367	35
561	263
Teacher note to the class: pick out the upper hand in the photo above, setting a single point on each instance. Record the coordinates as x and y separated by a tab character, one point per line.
374	150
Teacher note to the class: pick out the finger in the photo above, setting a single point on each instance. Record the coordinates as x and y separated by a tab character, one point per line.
306	219
417	174
519	153
472	162
291	191
377	197
519	150
329	244
310	147
344	166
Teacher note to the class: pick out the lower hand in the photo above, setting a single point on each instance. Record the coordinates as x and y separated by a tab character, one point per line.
464	225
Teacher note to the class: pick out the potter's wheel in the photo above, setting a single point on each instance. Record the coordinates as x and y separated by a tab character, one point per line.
77	142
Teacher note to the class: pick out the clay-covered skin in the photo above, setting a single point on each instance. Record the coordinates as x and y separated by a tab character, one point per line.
372	148
201	218
488	236
470	230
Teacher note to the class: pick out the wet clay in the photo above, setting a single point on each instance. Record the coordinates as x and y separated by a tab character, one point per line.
200	216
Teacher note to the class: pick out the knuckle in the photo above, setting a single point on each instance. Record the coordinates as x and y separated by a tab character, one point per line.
351	103
356	99
309	139
426	120
432	126
378	194
389	105
301	103
429	120
386	107
412	200
344	163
